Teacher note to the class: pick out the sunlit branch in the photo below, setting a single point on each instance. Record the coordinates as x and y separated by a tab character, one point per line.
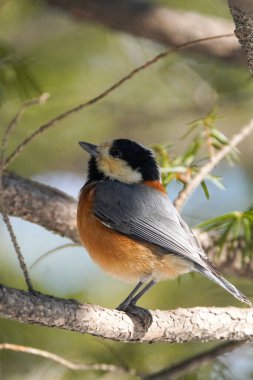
199	323
205	170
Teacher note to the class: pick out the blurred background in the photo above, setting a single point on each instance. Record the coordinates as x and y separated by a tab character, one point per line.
43	49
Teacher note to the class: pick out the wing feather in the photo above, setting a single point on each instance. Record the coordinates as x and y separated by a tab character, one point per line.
145	214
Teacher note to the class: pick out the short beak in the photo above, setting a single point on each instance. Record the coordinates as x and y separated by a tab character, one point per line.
90	148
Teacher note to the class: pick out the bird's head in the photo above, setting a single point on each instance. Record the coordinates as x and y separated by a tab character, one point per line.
121	160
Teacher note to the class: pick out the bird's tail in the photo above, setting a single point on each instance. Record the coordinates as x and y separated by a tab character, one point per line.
215	276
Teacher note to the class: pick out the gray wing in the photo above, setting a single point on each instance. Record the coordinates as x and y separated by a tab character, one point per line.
144	213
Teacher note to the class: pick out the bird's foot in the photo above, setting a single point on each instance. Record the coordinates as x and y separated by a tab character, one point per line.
143	314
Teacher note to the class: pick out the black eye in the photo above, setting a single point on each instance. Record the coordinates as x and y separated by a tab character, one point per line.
116	153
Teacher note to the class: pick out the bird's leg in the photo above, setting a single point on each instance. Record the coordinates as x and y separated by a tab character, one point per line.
124	305
129	304
144	290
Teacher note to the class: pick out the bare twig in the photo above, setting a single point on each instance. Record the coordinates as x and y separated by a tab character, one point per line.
6	218
31	102
102	95
167	373
21	260
64	362
190	364
59	248
199	323
200	176
7	222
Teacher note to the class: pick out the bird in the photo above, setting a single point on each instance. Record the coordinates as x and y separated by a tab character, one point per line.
129	226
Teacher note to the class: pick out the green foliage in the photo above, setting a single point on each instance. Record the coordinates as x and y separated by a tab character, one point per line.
15	74
234	228
184	167
208	134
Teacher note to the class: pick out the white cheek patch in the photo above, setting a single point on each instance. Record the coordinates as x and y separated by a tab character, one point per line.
129	175
118	169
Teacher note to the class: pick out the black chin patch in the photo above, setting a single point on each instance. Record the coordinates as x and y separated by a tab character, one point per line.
93	173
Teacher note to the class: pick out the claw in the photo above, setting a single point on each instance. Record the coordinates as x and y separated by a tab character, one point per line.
143	314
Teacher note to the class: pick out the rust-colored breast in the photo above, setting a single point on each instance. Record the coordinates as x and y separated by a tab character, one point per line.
119	255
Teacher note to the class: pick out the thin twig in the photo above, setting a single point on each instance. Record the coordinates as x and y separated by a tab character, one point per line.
64	362
6	218
190	364
31	102
21	260
90	102
191	186
59	248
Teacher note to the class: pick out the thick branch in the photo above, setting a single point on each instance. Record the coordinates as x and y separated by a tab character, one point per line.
40	204
242	12
175	326
165	26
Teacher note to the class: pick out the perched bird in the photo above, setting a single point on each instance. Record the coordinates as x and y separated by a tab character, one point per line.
130	227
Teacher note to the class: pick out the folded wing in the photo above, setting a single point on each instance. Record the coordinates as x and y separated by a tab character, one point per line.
145	214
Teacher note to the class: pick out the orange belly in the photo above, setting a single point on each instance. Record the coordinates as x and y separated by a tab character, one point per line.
119	255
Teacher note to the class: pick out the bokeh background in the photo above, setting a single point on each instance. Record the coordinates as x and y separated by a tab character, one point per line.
48	51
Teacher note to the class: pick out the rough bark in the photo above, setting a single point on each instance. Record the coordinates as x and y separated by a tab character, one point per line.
40	204
56	211
175	326
242	12
163	25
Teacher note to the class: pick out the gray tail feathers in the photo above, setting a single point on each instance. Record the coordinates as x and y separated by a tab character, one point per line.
214	275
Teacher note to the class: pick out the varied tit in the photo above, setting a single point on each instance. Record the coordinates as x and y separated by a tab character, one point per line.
130	227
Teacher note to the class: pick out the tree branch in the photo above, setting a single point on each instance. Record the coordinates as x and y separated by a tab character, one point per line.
64	362
163	25
242	12
40	204
175	326
6	218
200	176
